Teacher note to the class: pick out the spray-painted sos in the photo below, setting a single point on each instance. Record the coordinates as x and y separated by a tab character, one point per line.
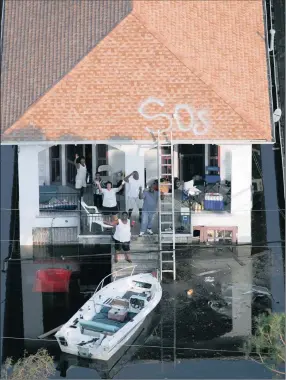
199	123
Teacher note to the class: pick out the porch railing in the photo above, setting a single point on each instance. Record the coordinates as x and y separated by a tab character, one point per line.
49	201
93	224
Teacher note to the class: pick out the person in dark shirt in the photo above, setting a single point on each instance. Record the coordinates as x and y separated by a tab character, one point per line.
150	198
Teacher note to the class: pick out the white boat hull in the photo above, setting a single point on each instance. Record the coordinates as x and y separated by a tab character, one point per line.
103	345
108	369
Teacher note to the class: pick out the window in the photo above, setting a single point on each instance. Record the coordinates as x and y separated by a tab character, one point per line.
102	155
213	155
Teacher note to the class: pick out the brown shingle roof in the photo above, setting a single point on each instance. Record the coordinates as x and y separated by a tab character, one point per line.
43	40
207	54
100	98
223	43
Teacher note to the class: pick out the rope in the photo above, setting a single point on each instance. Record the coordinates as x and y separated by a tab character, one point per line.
137	345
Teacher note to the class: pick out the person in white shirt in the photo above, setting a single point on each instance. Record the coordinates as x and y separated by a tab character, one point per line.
109	202
122	236
132	193
80	179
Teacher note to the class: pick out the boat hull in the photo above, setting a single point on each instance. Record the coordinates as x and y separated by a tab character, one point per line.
108	369
119	341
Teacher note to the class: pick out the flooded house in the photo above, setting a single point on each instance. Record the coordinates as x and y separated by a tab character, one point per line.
182	93
151	86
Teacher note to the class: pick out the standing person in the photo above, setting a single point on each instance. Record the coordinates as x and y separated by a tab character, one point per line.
132	192
122	236
150	198
80	179
109	202
97	195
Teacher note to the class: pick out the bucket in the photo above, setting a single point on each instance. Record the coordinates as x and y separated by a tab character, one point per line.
185	216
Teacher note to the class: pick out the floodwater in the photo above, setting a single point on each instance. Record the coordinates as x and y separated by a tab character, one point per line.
197	337
229	290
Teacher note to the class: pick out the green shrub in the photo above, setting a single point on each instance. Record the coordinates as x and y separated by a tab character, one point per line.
268	343
39	366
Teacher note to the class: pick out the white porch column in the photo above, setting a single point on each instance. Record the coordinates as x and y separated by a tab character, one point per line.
176	161
63	165
94	159
206	156
225	162
28	168
241	189
48	167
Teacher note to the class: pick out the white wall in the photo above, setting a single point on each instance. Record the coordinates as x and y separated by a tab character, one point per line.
44	167
225	162
116	159
241	178
240	175
28	167
56	221
225	219
150	162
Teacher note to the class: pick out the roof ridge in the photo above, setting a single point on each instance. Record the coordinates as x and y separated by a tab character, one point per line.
210	87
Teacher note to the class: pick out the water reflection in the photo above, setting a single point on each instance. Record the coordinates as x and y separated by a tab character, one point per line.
229	289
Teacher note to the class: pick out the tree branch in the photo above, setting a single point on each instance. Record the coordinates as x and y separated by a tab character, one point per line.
282	340
266	366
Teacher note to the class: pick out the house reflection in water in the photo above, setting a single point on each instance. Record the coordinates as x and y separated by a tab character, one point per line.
228	290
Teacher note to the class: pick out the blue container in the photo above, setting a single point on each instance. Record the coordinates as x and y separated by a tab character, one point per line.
185	220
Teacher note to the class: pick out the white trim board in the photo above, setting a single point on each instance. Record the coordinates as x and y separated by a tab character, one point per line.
138	142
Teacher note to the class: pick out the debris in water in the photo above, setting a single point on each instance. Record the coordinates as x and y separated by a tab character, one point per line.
190	292
209	279
209	272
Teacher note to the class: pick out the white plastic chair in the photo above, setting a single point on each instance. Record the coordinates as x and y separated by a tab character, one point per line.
108	170
94	217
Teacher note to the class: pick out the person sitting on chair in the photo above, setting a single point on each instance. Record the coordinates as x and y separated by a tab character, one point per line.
122	236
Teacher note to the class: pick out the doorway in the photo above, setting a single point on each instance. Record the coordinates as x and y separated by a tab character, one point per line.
71	151
192	161
55	162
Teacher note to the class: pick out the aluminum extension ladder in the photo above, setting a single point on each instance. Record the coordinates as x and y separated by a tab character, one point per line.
166	209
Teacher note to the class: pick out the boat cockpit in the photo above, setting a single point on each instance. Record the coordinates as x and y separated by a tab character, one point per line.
114	313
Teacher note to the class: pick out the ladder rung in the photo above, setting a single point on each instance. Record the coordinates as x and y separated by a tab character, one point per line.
171	250
165	155
163	222
166	164
167	271
167	261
